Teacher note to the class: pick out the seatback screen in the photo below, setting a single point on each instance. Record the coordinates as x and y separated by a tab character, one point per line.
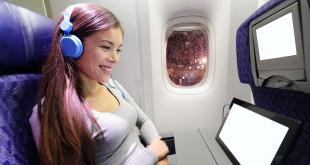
276	39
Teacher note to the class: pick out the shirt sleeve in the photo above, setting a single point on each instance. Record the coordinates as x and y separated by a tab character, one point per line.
35	126
147	128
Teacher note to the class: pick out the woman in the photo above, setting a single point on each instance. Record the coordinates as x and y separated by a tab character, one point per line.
85	119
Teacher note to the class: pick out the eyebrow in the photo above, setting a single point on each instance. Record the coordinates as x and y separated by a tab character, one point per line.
111	43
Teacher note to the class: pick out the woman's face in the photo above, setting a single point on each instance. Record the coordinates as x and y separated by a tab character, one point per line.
101	52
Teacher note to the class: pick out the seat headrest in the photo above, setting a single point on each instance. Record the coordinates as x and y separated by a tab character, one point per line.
242	43
26	37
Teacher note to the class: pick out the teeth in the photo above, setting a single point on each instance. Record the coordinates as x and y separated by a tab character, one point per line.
107	69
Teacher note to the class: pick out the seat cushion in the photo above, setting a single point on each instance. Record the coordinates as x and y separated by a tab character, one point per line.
18	95
293	104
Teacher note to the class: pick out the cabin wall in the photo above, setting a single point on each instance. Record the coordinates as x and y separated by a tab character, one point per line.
261	2
171	111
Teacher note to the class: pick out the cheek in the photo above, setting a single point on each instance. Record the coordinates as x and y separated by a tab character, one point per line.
85	67
89	57
86	64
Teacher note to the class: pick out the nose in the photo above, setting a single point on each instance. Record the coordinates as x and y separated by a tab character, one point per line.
114	57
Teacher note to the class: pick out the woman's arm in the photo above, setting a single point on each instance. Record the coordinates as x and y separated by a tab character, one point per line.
35	126
163	162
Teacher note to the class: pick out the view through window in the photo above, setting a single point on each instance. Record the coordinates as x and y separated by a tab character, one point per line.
187	57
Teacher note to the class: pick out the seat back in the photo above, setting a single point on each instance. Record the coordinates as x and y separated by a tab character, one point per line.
290	103
25	39
24	43
18	95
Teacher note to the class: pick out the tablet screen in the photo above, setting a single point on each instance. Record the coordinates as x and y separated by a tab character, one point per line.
248	134
252	135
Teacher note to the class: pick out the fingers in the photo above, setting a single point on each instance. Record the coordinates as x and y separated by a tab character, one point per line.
159	147
158	138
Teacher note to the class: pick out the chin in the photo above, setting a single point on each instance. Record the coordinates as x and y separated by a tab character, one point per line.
103	80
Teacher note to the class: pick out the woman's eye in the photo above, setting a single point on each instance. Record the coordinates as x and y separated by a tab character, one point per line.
118	50
106	47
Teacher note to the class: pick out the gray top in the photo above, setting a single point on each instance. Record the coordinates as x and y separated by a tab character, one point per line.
119	129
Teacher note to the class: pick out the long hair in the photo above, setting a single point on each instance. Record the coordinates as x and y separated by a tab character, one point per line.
66	117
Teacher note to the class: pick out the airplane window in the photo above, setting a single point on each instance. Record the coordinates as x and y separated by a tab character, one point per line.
187	57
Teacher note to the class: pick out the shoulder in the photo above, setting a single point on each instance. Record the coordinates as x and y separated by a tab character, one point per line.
34	115
112	83
116	86
35	125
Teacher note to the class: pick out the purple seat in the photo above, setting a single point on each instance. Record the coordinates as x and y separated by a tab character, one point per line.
18	96
25	39
290	103
24	43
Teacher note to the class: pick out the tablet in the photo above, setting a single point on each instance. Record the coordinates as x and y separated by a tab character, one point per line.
251	135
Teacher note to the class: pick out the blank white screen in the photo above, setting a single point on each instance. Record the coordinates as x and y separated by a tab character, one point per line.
276	39
253	139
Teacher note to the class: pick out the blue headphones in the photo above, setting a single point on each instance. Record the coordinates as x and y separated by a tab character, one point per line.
71	45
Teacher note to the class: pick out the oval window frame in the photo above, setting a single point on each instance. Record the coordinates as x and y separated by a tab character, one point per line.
189	23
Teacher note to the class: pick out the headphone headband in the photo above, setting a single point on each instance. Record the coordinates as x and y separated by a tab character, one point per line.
68	12
66	25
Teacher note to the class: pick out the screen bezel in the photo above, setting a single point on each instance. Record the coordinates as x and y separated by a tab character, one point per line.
283	63
293	125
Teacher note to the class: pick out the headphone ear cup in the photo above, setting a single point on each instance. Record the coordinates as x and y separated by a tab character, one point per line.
71	46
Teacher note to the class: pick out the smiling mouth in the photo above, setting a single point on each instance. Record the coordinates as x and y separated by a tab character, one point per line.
105	68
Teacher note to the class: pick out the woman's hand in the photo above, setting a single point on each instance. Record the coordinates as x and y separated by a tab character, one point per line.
163	162
159	147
